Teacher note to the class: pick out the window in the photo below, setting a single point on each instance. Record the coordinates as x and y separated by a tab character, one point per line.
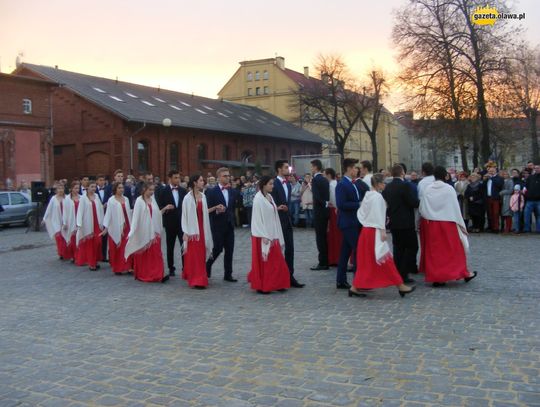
18	199
116	98
257	76
146	102
265	75
226	153
27	106
267	156
298	152
142	155
4	199
173	156
250	92
57	150
249	76
200	111
175	107
99	90
185	103
131	95
266	90
257	90
201	152
158	99
207	107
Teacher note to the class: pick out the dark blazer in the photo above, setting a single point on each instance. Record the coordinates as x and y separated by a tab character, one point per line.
320	187
278	194
362	188
401	204
105	197
347	202
497	184
214	197
171	219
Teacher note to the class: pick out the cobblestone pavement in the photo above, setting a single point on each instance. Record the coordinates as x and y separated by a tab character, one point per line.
72	337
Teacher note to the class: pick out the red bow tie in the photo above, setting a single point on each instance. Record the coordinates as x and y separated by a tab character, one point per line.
222	188
284	181
174	188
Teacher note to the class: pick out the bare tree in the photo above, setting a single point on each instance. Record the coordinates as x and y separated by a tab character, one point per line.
522	85
331	102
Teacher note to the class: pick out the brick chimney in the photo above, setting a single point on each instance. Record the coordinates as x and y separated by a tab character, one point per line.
306	72
280	62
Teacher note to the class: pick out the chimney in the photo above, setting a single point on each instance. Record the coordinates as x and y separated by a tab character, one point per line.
306	72
280	62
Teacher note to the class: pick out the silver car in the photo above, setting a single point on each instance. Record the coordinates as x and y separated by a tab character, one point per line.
18	208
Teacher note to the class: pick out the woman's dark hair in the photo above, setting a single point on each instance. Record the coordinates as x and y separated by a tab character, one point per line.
427	168
331	172
440	173
193	180
115	186
265	179
145	186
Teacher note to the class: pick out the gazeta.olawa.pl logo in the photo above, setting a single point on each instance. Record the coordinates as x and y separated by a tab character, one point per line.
489	15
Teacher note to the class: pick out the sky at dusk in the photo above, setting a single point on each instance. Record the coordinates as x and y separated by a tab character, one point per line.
195	46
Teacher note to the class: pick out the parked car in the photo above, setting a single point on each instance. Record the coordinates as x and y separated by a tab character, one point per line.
18	208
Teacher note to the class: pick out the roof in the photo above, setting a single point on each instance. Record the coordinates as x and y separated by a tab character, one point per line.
144	104
36	81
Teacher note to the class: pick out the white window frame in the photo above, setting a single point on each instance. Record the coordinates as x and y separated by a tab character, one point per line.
27	106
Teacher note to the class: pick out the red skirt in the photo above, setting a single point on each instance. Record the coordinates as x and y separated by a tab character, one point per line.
116	254
422	233
61	246
442	251
148	264
195	263
334	238
269	275
71	248
370	274
89	250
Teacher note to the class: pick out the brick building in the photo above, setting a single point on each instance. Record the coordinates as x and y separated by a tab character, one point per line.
102	124
25	130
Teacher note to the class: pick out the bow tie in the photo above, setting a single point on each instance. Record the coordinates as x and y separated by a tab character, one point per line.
284	182
223	188
174	188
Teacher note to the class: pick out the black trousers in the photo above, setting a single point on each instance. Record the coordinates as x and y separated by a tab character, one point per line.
320	223
172	234
405	244
223	241
289	245
104	241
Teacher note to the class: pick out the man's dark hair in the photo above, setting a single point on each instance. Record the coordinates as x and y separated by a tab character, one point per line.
331	172
397	171
427	168
348	163
440	173
367	164
317	164
404	167
172	173
279	164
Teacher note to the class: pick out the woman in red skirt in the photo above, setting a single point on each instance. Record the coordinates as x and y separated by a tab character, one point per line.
198	243
269	271
69	221
117	222
89	225
144	239
375	266
445	234
53	220
334	236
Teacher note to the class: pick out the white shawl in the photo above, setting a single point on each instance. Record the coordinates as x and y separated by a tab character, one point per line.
190	223
440	203
265	222
85	218
144	227
423	184
69	219
114	218
53	216
332	186
372	214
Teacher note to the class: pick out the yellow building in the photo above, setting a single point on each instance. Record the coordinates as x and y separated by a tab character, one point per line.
269	85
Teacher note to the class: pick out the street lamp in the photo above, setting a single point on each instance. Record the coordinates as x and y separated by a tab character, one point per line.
166	122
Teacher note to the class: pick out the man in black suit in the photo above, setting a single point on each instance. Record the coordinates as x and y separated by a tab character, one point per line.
101	192
402	201
222	222
282	198
172	194
320	187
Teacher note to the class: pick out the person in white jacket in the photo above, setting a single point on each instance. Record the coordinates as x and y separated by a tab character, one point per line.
53	220
89	225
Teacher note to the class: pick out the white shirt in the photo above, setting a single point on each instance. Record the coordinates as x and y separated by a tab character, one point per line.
367	179
83	191
284	186
225	193
175	195
489	184
101	192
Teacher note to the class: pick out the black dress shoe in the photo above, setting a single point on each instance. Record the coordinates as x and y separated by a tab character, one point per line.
165	279
263	292
282	290
230	279
319	267
172	272
439	284
467	279
199	287
343	286
296	284
356	294
404	293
